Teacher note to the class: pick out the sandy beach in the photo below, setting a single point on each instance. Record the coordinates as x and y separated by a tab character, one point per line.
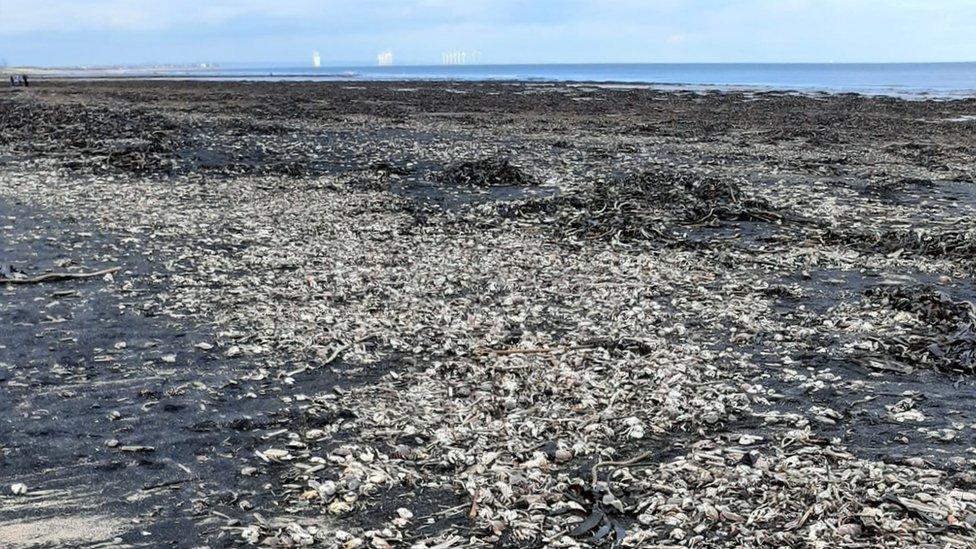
445	315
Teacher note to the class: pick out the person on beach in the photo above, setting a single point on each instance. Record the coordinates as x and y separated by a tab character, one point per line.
12	83
23	78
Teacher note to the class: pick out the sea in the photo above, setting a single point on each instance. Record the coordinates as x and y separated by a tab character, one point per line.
911	80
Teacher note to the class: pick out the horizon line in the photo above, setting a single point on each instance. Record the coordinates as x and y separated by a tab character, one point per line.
204	65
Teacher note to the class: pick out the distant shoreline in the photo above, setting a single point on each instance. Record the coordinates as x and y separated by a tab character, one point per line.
945	80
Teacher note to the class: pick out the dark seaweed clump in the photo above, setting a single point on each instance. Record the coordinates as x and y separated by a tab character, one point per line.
93	137
950	244
643	206
488	172
945	336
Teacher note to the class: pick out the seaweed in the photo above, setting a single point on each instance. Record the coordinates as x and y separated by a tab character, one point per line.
645	205
921	242
944	336
487	172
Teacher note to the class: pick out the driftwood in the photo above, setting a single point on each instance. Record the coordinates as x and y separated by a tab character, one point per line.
595	472
54	277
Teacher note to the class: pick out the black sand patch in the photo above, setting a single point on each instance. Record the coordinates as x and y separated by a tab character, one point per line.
111	414
863	409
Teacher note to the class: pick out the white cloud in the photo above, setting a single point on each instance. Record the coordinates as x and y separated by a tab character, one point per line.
22	16
526	30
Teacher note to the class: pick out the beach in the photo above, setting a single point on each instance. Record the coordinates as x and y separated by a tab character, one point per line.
484	314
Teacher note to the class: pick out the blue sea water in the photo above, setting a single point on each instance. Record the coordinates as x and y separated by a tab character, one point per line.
941	80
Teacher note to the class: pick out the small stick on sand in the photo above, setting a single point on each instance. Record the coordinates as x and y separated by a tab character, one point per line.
53	277
507	352
335	354
596	468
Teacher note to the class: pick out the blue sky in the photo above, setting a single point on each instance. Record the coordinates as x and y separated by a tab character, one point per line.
99	32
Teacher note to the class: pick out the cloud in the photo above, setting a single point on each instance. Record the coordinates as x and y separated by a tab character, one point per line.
20	16
109	31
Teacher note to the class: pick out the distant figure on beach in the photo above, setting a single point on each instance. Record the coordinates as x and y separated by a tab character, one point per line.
12	82
23	78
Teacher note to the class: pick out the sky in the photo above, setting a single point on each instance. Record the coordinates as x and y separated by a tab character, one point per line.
126	32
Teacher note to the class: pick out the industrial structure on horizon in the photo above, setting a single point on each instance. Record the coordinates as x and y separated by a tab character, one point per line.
384	59
461	57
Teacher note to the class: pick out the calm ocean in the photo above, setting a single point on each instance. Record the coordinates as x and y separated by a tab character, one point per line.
944	80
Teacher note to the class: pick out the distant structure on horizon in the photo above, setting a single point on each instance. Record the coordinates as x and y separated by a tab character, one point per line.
385	59
460	57
316	59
